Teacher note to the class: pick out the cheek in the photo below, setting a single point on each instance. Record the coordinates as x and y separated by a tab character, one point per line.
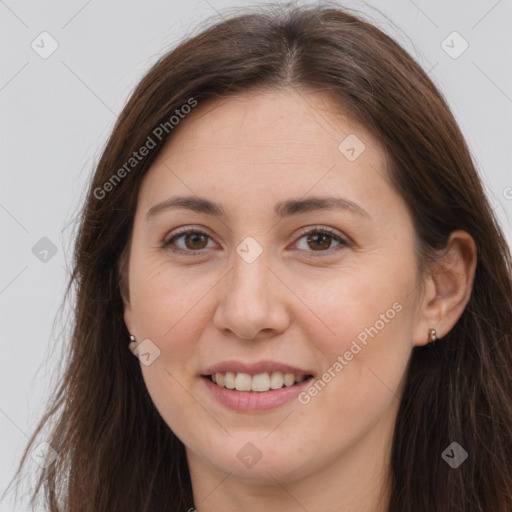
164	311
366	299
364	334
165	297
166	306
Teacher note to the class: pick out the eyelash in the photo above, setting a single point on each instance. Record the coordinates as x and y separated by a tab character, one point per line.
316	230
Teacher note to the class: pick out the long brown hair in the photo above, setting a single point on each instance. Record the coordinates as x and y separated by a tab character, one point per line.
115	451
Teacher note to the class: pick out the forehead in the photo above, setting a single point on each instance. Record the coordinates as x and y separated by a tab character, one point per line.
266	144
285	121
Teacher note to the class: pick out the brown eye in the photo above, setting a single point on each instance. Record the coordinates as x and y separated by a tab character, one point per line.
320	241
192	242
189	242
195	241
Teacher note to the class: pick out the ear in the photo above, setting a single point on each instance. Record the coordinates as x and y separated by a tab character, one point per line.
447	288
127	315
125	295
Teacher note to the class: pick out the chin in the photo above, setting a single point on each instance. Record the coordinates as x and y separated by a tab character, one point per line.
260	461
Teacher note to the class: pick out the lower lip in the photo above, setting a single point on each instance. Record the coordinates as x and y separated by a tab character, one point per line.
255	401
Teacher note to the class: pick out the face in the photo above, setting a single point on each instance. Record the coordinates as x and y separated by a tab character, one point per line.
273	286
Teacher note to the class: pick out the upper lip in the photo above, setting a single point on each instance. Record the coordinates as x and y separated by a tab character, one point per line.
254	368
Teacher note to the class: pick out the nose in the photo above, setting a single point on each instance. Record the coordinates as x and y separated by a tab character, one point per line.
252	303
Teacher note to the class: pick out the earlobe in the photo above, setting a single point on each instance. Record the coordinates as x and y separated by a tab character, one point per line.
449	288
127	315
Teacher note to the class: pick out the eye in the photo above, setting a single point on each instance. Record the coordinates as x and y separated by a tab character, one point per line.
192	241
320	239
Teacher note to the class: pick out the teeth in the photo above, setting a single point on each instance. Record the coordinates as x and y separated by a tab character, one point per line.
289	379
261	382
243	382
229	380
276	380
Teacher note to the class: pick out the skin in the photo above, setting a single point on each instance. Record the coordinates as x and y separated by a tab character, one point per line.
299	303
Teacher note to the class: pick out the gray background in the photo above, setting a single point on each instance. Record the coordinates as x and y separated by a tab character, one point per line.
56	114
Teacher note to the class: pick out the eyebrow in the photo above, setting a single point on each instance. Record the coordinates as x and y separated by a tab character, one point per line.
282	209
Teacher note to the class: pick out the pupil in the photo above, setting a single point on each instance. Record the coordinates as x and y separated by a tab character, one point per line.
194	238
325	237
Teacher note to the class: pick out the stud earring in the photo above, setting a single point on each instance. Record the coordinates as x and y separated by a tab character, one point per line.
132	338
432	335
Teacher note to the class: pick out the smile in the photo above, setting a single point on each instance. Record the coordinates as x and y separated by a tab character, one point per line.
261	383
246	393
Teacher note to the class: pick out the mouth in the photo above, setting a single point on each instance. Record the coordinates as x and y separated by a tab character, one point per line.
258	383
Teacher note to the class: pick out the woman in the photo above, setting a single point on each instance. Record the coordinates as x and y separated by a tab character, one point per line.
287	230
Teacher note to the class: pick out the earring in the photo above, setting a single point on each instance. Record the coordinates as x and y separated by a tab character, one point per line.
432	336
132	338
